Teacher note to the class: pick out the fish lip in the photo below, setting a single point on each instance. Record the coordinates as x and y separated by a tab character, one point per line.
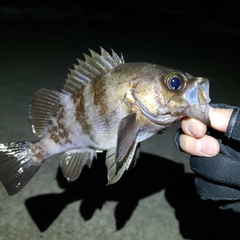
204	118
200	112
197	98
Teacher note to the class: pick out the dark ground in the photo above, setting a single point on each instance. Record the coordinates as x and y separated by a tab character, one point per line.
155	200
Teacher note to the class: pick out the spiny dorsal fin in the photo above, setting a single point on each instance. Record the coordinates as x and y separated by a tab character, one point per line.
93	66
45	104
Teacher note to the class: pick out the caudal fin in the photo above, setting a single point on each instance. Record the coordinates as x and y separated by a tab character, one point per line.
16	167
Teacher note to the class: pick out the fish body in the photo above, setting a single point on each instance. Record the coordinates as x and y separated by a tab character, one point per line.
106	104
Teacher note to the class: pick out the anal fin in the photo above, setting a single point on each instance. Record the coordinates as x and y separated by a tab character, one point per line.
73	161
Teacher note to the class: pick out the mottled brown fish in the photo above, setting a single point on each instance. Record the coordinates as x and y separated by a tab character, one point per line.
108	105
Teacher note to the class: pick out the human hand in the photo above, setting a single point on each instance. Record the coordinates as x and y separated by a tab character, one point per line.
215	155
194	139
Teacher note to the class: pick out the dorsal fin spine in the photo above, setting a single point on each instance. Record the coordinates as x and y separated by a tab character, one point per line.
78	76
100	59
83	71
94	65
117	59
84	66
107	57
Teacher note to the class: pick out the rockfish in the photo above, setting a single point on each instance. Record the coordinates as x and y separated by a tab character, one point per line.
106	104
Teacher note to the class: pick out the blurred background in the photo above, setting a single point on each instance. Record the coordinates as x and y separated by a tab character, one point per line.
39	42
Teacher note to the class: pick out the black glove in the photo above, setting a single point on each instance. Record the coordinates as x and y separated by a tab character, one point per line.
218	178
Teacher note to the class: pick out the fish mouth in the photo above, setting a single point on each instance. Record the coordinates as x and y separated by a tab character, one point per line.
200	112
197	97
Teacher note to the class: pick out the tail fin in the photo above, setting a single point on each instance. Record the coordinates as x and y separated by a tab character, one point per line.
16	167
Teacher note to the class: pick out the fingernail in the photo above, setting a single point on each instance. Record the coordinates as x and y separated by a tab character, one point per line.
207	148
189	128
192	128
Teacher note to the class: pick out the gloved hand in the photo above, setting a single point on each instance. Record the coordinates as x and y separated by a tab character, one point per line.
218	178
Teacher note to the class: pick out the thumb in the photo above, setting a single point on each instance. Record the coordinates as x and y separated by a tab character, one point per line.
219	118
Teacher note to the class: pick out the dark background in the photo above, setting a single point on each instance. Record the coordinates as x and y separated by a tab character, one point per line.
155	14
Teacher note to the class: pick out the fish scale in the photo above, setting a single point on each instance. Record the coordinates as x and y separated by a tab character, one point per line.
105	105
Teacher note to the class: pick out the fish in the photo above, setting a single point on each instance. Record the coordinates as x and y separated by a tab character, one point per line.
105	105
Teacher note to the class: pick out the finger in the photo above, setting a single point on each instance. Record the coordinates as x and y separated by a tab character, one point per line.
193	127
219	118
206	146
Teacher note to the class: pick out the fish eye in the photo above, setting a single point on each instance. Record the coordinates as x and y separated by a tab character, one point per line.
175	82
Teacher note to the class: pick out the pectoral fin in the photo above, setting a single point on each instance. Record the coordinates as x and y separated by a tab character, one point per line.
73	161
127	133
116	169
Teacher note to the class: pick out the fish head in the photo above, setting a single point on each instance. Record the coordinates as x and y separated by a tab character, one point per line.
174	95
187	96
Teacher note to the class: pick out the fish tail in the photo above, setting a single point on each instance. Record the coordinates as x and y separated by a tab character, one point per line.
16	166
